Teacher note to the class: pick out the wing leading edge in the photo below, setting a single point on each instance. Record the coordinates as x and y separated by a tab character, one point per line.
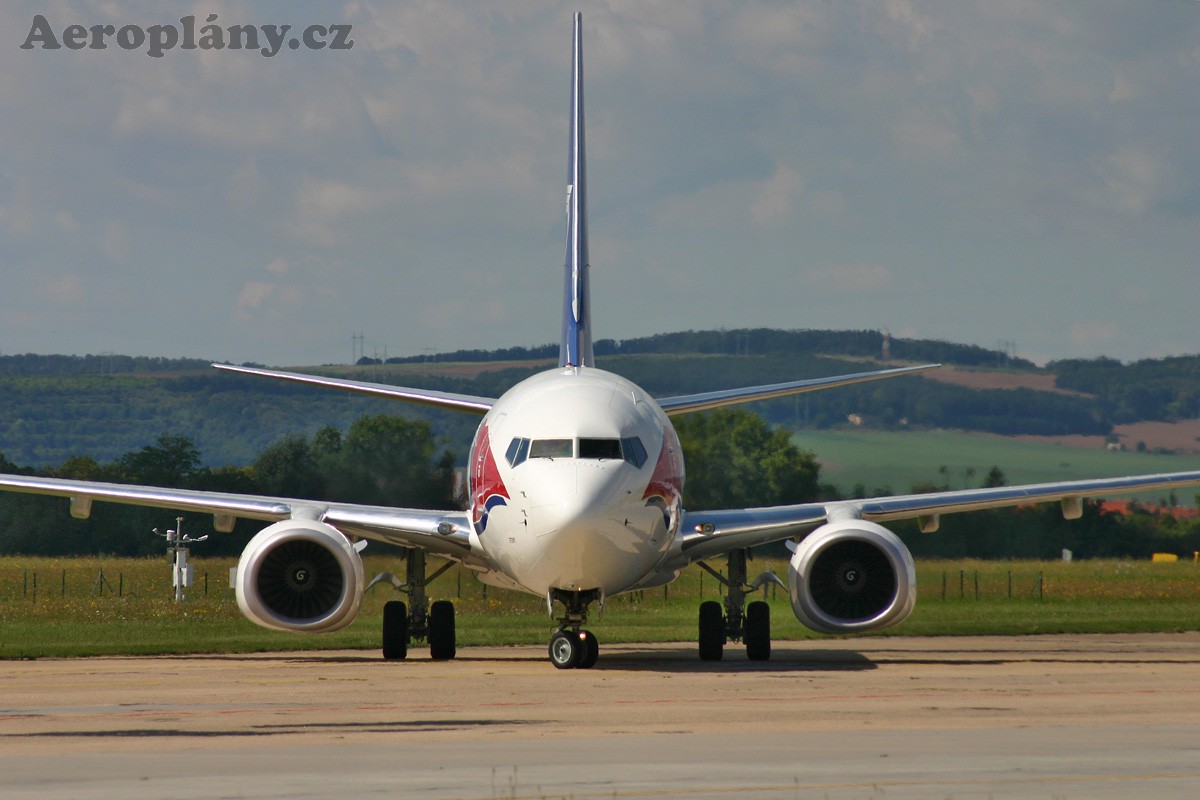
459	402
680	404
704	401
704	534
442	532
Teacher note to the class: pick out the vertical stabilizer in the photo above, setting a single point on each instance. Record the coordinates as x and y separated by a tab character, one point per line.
576	347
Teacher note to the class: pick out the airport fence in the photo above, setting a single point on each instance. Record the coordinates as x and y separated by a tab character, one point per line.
46	580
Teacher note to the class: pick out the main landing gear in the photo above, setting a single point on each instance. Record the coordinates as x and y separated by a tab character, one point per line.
403	625
737	621
572	647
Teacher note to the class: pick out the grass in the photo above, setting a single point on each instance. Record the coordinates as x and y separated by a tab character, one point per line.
898	460
71	612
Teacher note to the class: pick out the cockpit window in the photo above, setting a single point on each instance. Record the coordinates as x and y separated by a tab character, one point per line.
633	451
552	448
518	451
599	448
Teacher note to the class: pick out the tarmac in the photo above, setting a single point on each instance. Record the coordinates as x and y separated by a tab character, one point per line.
1095	716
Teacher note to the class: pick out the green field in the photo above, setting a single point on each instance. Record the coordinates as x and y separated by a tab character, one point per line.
898	460
60	607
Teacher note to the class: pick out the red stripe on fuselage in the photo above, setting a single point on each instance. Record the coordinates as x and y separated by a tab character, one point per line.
667	480
484	480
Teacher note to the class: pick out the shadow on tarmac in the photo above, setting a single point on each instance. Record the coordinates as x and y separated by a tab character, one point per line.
628	658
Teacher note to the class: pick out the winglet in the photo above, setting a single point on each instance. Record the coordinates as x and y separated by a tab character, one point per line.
575	349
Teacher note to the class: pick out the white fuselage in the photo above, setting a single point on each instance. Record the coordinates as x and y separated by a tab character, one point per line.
575	480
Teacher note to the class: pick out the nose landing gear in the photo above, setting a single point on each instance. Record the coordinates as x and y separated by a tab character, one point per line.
572	647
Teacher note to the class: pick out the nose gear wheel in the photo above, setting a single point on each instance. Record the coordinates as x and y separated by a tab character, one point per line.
572	647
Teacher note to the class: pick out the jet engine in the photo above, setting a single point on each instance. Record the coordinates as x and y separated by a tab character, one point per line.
300	575
850	576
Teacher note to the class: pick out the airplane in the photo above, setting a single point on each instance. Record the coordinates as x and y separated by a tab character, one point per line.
575	481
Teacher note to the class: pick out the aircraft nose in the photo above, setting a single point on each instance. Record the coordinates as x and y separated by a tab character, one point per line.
573	494
577	522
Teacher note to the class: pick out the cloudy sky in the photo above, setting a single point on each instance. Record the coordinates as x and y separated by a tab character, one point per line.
982	172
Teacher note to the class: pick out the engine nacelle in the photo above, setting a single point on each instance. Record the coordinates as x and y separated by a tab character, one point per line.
300	575
851	576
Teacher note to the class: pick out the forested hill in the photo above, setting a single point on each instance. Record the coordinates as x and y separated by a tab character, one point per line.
107	364
56	407
759	342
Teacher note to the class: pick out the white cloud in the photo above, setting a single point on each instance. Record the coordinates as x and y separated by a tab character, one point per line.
1092	334
116	242
927	135
777	196
65	290
1134	180
18	218
252	297
919	28
66	222
1122	89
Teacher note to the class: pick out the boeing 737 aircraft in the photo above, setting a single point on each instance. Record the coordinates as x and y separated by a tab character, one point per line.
575	481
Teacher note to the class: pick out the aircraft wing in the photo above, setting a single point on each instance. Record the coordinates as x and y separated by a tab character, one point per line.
441	532
428	397
703	401
704	534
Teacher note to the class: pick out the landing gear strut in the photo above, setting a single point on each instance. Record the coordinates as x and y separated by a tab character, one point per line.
737	621
417	621
572	647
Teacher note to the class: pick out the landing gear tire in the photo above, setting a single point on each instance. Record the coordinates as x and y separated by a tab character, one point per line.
758	631
591	650
441	631
395	630
712	631
566	649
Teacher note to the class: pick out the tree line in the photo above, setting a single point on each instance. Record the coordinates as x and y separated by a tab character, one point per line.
1163	389
756	342
379	460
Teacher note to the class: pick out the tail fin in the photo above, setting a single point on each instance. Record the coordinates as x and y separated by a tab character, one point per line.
576	347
